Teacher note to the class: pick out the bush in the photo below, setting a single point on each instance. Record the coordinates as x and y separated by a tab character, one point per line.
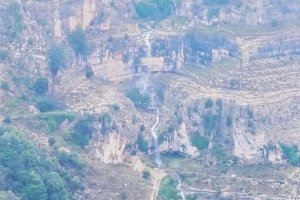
210	122
82	131
215	2
167	189
13	21
142	143
51	141
199	141
53	121
3	55
29	172
69	160
116	107
4	86
146	175
291	153
56	58
41	86
139	100
7	120
229	121
79	42
89	73
154	9
46	105
208	103
213	12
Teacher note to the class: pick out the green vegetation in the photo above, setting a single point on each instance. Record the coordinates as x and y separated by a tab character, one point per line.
78	42
146	175
46	105
40	86
154	9
215	2
3	55
213	12
56	58
69	160
4	86
13	21
168	190
142	143
139	100
291	153
210	122
208	103
82	131
53	121
30	173
199	141
89	73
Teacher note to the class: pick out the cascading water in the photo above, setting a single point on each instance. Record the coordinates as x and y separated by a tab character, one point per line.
155	138
148	44
180	190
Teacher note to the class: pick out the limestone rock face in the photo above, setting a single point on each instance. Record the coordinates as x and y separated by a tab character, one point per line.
111	149
84	15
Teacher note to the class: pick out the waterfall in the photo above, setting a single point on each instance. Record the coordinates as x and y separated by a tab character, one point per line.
155	138
148	44
180	190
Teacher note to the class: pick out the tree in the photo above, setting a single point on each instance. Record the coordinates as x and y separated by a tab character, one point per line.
78	41
35	188
41	86
56	58
199	141
82	132
142	143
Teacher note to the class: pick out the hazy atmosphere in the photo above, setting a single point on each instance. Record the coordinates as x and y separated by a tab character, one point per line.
149	100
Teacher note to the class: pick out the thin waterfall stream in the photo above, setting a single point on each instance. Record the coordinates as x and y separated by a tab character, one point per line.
180	190
155	138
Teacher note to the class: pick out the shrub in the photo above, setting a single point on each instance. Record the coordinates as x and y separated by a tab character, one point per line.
13	21
82	131
146	175
69	160
31	173
210	122
116	107
208	103
229	121
79	42
291	153
89	73
51	141
213	12
4	86
53	121
46	105
199	141
167	189
139	100
154	9
41	86
3	55
7	120
142	143
56	58
215	2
